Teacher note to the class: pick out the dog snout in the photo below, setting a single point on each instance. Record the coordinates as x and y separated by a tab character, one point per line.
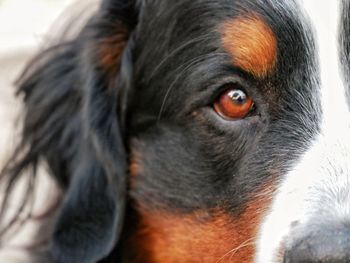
325	245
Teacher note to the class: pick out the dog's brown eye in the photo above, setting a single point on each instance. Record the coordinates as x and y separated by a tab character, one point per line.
233	104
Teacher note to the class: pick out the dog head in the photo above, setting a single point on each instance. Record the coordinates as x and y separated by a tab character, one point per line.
220	127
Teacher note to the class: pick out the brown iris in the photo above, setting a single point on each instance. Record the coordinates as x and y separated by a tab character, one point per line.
233	104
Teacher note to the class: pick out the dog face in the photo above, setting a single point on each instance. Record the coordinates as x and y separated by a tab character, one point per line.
230	117
201	178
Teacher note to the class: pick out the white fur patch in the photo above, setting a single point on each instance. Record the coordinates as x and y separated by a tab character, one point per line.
319	185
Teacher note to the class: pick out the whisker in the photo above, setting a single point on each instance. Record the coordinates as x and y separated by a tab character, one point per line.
233	251
240	247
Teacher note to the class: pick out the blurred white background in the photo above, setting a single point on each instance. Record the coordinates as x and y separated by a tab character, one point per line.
25	22
26	25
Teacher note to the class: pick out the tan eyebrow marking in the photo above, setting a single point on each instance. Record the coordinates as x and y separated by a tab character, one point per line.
251	43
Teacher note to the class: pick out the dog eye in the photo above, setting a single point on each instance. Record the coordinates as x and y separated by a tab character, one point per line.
233	104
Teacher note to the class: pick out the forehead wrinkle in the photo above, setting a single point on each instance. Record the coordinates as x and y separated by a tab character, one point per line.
251	43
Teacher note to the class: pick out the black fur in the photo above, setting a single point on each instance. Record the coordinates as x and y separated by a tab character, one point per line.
85	122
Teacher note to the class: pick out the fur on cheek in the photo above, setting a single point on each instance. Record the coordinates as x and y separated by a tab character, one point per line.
201	236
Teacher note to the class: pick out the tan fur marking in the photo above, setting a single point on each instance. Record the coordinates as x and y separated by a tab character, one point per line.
110	50
134	166
202	236
251	43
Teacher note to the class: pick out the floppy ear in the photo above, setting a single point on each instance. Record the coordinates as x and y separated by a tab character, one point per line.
75	98
92	214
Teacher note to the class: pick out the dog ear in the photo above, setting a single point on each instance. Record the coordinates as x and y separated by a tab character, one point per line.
91	219
75	102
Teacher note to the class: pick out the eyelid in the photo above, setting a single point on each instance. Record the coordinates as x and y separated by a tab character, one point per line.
209	90
212	119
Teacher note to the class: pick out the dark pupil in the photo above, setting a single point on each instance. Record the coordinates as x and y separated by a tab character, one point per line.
238	97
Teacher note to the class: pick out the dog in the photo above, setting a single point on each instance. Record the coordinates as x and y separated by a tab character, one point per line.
196	131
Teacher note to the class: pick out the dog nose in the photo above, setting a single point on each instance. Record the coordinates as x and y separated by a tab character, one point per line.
328	245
